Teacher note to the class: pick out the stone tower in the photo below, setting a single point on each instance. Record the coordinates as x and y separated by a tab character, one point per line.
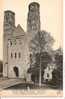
33	21
9	21
8	28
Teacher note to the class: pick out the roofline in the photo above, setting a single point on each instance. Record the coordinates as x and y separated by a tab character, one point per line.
6	11
34	3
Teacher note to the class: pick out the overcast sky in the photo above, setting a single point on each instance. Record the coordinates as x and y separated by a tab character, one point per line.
50	16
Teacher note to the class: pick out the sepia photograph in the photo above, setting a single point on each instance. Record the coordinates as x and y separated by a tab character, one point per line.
31	48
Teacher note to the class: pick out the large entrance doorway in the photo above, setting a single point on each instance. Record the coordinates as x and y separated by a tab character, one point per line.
16	70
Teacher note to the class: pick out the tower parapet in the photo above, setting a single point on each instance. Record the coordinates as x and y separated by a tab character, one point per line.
35	4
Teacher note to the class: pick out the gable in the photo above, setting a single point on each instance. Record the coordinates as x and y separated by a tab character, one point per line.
18	31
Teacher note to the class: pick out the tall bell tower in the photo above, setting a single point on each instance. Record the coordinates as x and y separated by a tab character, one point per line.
8	28
33	20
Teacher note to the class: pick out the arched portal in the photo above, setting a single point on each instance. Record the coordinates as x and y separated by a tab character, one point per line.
16	70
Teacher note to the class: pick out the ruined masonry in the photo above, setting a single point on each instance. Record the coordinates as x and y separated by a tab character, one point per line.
16	42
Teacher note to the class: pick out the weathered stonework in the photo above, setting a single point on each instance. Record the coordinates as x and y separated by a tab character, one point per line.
33	21
16	53
15	48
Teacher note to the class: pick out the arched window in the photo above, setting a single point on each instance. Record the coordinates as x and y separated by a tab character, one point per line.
15	55
11	43
11	55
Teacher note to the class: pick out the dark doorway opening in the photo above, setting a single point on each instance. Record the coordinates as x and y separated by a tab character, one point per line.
16	70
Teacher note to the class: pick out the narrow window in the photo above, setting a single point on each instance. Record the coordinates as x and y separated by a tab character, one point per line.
19	55
15	55
11	55
10	43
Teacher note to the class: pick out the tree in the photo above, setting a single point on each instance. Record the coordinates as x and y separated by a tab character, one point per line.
59	64
42	42
57	79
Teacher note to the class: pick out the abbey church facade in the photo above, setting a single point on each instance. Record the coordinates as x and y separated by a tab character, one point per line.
16	52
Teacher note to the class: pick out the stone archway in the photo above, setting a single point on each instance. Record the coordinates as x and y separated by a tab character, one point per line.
16	71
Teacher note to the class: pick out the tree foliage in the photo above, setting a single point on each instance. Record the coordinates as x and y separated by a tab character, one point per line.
42	41
58	73
40	46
